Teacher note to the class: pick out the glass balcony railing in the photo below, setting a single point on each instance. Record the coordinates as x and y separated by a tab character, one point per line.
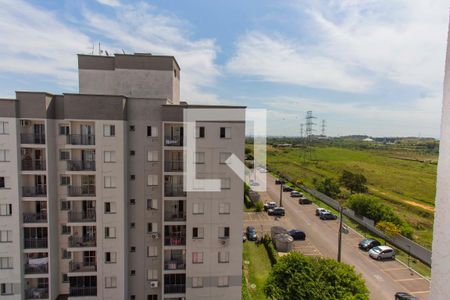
34	191
80	139
82	241
36	269
36	293
35	217
80	191
175	240
174	288
173	140
33	165
31	138
82	216
172	190
35	243
75	266
82	291
173	166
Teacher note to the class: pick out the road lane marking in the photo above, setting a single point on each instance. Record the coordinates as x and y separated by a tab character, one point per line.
408	279
394	269
378	277
420	292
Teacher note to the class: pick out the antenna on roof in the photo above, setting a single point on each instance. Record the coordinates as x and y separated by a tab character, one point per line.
107	54
92	49
100	51
123	51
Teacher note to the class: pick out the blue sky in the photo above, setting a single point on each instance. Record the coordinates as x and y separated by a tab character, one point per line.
367	67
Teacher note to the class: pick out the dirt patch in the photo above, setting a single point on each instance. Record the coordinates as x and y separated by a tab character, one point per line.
424	206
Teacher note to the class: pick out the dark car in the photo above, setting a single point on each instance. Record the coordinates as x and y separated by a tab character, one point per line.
287	189
304	200
297	234
277	211
327	216
251	233
367	244
296	194
404	296
278	181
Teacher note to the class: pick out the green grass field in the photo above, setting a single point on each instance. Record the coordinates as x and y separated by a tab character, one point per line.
404	179
257	270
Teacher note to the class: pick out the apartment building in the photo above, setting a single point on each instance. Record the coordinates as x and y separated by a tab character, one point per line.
93	202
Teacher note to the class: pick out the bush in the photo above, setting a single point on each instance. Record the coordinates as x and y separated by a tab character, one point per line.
259	206
245	292
329	187
354	182
271	251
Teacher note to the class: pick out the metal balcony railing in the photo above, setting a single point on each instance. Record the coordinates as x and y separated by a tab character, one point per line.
31	138
36	293
82	216
174	288
36	269
83	291
75	266
171	190
174	216
35	243
34	191
175	264
35	217
82	241
33	165
80	191
175	240
173	166
81	165
173	140
80	139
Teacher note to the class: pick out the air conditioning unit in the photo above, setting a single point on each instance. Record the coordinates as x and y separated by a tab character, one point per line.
25	123
155	235
154	283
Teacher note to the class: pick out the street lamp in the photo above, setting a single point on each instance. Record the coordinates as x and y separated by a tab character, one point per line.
340	234
281	193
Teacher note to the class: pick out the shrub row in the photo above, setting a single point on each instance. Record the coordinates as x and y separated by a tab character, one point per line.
271	251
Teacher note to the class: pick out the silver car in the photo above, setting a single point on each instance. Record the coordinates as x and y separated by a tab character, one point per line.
382	252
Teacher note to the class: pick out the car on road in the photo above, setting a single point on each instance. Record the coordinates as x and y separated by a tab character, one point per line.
304	200
278	181
382	252
296	194
277	211
270	205
297	234
404	296
326	215
367	244
319	210
251	233
287	189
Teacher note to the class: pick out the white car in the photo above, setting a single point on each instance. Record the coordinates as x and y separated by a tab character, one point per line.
320	210
382	252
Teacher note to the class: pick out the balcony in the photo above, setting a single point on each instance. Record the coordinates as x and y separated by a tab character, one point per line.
80	191
174	288
83	291
34	191
36	293
36	269
172	190
82	241
81	165
75	266
174	260
35	243
80	139
176	141
33	165
82	216
174	216
31	138
175	240
35	217
173	166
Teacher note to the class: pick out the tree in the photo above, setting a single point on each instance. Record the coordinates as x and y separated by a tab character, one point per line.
356	183
295	276
389	228
329	187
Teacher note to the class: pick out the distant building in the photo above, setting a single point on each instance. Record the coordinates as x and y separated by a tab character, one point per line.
368	140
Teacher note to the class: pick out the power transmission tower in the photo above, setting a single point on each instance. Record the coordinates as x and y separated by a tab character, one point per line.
308	153
323	127
301	131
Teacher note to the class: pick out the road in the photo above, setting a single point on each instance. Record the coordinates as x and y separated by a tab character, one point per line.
383	278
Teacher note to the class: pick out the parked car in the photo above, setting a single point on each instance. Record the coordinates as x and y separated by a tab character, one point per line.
296	194
319	210
251	233
297	234
277	211
404	296
304	200
326	215
287	189
269	205
367	244
382	252
278	181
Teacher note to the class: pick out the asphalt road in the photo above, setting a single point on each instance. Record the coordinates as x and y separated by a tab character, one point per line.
383	278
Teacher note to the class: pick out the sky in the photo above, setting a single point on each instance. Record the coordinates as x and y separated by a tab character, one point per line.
366	67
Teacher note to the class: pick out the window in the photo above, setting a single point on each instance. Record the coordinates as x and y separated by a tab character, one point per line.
152	251
65	278
152	274
132	225
223	156
110	282
109	156
132	177
6	263
4	128
152	297
152	227
200	132
132	272
65	205
109	130
132	249
64	154
65	229
132	128
198	209
110	257
5	209
152	204
64	129
224	208
5	236
110	232
152	155
109	182
225	132
6	289
199	157
3	183
4	155
152	180
197	282
225	183
132	201
64	180
198	233
110	207
152	131
222	281
224	232
132	152
132	297
197	257
224	257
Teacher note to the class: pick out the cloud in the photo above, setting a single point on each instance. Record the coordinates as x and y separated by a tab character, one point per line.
113	3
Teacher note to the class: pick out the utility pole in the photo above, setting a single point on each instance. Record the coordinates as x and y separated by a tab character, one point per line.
281	193
340	234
